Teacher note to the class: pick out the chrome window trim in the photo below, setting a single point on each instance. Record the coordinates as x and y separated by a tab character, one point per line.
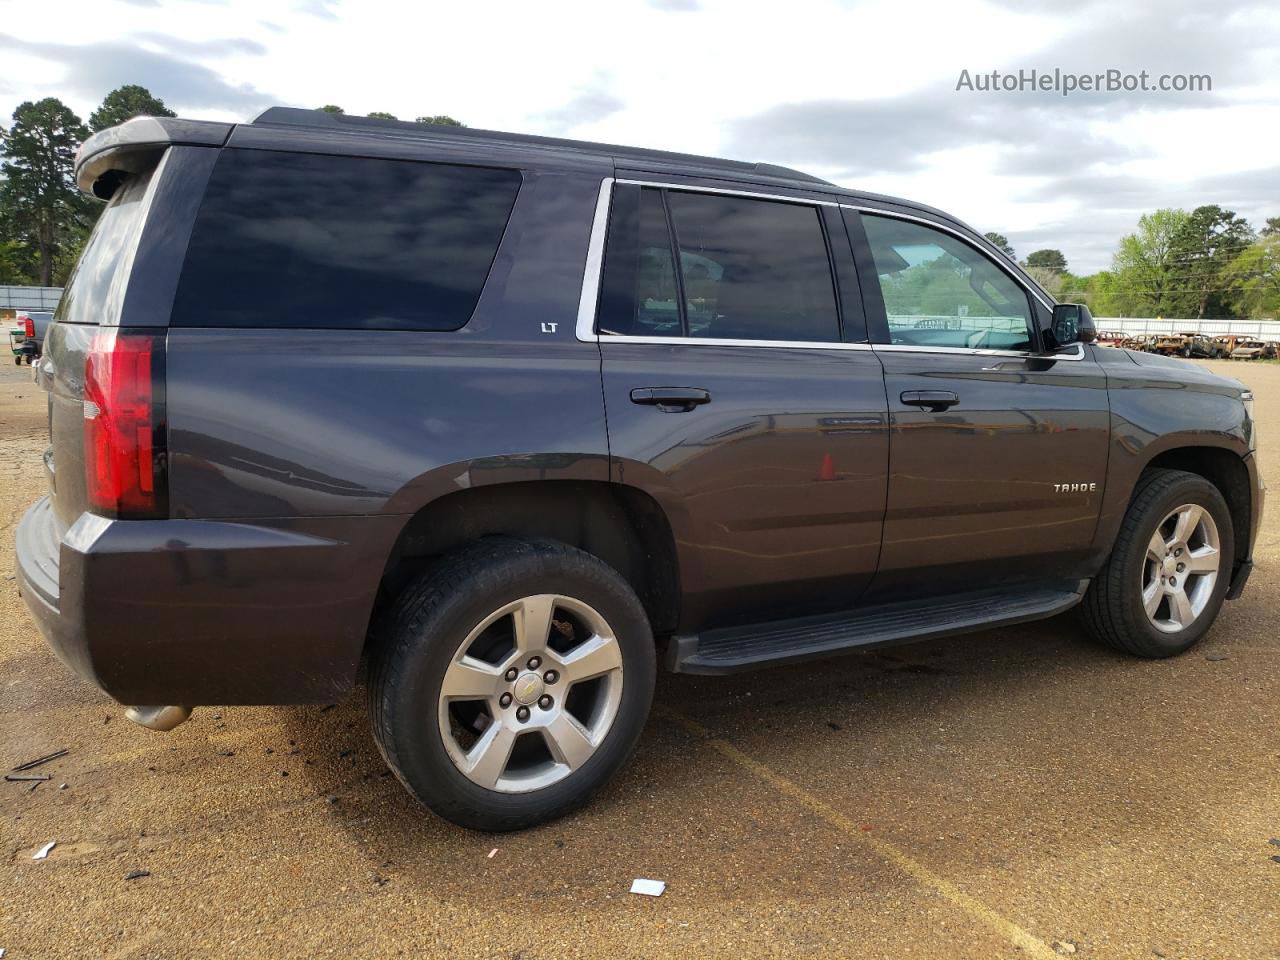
725	342
971	351
590	297
729	191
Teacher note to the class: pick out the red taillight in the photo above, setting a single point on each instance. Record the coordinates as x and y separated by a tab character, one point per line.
123	436
30	326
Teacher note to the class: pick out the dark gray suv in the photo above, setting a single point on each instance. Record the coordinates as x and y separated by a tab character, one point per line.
514	419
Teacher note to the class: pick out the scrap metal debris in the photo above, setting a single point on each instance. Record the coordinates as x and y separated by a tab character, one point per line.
648	888
39	760
43	852
19	778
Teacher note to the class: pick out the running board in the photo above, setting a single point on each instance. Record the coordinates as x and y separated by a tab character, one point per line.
787	641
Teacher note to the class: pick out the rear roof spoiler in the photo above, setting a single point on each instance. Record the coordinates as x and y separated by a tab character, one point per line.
106	158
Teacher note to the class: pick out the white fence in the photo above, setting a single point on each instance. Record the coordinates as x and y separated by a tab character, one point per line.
1140	326
29	298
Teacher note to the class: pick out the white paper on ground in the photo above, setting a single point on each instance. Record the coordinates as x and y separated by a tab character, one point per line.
44	851
650	888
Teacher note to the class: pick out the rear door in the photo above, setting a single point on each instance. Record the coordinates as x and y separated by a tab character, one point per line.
741	394
998	451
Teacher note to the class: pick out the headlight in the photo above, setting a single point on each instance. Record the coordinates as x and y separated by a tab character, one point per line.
1251	429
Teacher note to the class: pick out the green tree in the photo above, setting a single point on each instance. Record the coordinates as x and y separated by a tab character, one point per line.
1001	243
42	209
13	269
1254	278
1075	289
1102	294
383	115
1272	228
125	103
1203	248
1050	280
1051	260
440	120
1144	271
331	108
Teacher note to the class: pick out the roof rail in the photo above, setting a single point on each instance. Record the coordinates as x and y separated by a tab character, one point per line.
295	116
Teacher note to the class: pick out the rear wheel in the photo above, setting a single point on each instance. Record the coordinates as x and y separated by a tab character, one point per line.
511	682
1164	583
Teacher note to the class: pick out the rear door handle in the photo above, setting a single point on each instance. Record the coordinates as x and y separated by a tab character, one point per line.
670	399
935	400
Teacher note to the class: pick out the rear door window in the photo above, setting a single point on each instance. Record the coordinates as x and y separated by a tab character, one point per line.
748	269
306	240
940	292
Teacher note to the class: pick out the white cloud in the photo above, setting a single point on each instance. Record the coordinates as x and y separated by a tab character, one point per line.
859	90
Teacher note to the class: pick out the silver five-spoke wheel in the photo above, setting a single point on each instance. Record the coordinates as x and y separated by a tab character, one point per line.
530	693
1181	568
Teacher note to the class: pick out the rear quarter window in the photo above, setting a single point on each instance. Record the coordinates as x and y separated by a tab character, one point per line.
305	240
95	291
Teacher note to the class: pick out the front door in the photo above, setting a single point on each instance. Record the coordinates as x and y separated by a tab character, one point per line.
998	451
739	398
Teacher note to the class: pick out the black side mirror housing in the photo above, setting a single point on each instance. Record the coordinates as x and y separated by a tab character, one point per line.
1072	323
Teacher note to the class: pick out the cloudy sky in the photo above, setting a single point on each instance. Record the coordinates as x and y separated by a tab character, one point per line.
862	93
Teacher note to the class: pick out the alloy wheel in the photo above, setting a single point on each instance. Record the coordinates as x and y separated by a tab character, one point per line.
531	693
1181	568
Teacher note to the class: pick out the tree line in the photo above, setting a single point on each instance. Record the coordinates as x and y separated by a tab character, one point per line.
1207	262
1200	264
44	218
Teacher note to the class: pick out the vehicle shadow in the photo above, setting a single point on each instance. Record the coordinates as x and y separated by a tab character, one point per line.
815	708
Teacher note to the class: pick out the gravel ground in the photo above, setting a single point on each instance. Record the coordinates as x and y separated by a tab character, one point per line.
1014	793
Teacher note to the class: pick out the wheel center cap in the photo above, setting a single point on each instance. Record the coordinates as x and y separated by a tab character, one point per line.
528	688
1170	566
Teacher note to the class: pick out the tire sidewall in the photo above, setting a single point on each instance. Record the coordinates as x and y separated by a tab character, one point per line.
410	718
1190	489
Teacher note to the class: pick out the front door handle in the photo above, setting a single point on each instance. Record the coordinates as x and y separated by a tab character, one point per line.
935	400
670	399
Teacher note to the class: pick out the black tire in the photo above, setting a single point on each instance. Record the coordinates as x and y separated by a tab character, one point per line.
1112	608
416	642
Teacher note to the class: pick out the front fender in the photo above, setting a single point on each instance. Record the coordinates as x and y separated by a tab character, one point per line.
1157	408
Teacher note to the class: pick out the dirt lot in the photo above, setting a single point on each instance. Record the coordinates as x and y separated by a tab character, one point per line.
1015	793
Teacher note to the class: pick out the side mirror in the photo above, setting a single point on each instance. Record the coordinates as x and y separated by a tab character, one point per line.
1072	323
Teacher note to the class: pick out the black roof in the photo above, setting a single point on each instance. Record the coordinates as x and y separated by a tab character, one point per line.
110	154
297	117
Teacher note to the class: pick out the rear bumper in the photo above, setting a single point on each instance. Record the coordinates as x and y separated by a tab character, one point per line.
203	612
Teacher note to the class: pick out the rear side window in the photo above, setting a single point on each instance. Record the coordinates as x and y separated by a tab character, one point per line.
746	269
305	240
95	292
639	297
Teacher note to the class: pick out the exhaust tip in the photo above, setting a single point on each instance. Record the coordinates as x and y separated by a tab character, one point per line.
158	718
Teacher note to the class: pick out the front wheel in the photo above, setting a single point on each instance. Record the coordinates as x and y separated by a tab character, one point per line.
511	682
1165	580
